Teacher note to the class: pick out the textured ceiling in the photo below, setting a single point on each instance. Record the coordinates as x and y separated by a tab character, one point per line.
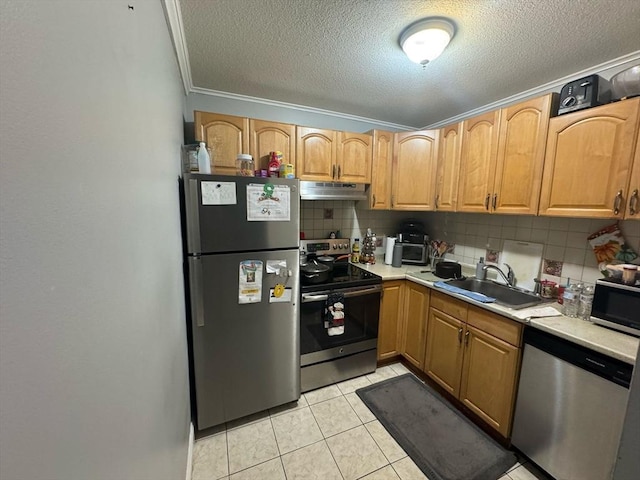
343	55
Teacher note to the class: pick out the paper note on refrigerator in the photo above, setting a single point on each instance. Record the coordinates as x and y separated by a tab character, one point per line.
268	203
250	282
218	193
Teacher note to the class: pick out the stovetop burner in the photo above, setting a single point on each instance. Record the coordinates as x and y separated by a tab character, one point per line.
344	274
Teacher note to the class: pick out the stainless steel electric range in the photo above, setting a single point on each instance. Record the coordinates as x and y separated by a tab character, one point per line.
338	317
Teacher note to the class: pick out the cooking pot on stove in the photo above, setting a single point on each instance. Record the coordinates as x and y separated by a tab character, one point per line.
448	270
314	272
330	261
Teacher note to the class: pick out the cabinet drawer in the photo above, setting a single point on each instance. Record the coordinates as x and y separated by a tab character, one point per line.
454	307
496	325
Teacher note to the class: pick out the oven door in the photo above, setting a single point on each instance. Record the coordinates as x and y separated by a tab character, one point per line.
361	314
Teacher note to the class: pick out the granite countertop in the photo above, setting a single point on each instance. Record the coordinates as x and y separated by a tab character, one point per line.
600	339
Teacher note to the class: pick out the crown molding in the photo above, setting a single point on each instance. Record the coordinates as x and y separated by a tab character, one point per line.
537	91
176	27
302	108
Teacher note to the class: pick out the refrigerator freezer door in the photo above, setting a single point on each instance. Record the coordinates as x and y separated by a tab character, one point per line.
246	357
223	227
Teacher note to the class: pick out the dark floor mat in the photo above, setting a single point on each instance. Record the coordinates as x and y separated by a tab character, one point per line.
443	443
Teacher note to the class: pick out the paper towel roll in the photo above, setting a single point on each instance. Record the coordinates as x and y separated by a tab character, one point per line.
388	252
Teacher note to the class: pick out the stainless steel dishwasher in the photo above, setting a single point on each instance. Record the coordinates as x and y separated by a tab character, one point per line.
570	407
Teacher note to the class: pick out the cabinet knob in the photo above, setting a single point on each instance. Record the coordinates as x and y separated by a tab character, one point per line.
495	201
374	200
339	171
436	201
459	335
333	173
466	338
617	202
486	201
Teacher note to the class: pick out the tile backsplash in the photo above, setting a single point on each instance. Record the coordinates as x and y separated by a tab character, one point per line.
566	253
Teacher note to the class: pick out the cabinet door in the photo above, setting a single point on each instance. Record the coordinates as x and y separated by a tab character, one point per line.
523	136
354	153
414	170
380	190
389	328
448	168
633	205
443	357
226	135
265	137
414	322
315	154
489	373
588	161
477	162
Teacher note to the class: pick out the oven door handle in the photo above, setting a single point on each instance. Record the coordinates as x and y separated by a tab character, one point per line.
307	298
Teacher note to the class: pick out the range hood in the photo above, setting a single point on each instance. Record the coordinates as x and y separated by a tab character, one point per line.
332	191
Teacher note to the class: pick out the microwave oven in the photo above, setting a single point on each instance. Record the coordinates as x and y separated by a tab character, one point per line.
415	253
617	306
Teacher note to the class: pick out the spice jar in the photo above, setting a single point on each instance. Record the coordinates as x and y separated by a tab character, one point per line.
245	165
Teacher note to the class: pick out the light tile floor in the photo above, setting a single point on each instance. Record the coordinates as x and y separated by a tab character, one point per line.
328	434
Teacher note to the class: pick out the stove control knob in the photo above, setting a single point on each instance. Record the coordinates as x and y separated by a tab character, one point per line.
335	247
345	246
340	246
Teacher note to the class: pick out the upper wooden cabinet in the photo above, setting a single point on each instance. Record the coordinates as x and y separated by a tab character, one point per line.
477	162
448	168
330	156
226	135
316	154
265	137
390	326
588	161
354	157
380	189
502	158
521	146
633	205
414	170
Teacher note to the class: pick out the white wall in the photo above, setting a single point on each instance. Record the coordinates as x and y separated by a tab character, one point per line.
93	356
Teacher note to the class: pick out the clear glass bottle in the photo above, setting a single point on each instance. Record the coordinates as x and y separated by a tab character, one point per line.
586	300
571	299
244	165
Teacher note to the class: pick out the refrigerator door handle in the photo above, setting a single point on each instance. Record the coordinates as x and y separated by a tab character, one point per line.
193	216
197	297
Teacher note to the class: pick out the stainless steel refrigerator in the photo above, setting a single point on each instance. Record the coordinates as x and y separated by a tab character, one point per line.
242	262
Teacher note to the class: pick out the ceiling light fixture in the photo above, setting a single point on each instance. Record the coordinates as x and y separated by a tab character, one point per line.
426	39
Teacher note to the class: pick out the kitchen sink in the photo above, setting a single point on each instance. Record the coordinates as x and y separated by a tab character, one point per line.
511	297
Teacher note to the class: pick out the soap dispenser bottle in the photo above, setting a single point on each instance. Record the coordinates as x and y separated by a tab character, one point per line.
481	273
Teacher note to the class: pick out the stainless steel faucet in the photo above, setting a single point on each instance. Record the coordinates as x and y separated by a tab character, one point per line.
510	277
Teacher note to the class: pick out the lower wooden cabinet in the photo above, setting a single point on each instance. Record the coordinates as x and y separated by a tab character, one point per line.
443	358
390	326
414	323
474	355
488	382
